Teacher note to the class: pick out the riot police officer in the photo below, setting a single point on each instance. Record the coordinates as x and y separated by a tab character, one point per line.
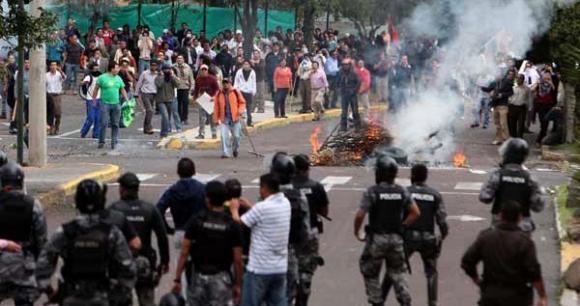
386	203
308	257
511	182
95	254
421	236
213	240
284	168
23	228
145	219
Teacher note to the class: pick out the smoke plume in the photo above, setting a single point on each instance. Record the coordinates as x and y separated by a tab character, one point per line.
473	33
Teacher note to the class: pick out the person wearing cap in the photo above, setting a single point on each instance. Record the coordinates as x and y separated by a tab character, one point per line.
348	82
228	109
166	84
146	90
170	40
205	83
146	219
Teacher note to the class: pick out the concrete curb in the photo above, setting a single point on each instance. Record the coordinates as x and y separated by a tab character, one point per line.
185	140
59	195
567	253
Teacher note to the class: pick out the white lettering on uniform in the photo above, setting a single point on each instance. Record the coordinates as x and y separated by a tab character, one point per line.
214	226
423	197
136	218
513	179
390	196
306	191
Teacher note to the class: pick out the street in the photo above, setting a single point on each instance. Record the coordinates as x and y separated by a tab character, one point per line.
339	282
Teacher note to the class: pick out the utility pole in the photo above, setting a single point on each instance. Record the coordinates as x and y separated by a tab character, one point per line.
266	20
204	16
37	132
327	15
20	92
236	17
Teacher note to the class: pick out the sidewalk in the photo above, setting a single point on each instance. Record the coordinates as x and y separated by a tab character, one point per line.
55	182
266	120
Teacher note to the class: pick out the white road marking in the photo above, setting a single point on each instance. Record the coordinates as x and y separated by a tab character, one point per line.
6	123
330	181
204	178
256	181
146	176
468	186
466	218
475	171
67	133
154	130
403	182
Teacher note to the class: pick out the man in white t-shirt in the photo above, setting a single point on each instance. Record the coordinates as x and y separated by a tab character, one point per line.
54	80
93	110
269	220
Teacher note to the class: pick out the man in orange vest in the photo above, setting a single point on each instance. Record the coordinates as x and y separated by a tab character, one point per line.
229	107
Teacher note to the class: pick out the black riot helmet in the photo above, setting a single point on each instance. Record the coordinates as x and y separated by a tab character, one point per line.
302	162
234	189
514	151
283	167
90	197
3	158
172	299
11	174
386	170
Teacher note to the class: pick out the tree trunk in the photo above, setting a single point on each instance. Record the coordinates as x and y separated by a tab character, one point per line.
309	16
249	24
570	111
37	131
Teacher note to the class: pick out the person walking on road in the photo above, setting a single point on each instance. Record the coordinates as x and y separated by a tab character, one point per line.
421	236
365	87
23	232
166	84
511	182
146	219
185	86
54	79
348	82
93	118
205	83
282	84
266	272
500	91
319	86
386	203
259	66
229	108
245	82
213	241
510	264
108	86
304	73
146	90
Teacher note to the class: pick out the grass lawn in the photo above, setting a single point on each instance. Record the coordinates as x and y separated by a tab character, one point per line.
565	213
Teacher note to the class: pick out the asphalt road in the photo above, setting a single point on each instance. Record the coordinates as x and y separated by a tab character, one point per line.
339	282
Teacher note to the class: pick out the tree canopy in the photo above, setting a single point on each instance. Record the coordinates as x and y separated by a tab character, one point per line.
32	31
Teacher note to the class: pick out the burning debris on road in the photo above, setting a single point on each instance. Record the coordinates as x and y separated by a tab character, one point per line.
349	148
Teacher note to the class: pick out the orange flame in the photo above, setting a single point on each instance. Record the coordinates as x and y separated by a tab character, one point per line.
314	140
459	159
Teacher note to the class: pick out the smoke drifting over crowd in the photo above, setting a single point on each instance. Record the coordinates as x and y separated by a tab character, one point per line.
474	33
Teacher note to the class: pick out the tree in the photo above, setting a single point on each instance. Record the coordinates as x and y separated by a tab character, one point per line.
249	23
32	32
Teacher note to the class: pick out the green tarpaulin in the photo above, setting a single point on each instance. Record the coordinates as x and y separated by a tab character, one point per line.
158	17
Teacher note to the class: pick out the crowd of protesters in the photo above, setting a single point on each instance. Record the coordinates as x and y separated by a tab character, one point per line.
166	73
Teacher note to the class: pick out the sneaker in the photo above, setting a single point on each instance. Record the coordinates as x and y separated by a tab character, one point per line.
148	132
496	142
475	125
484	126
260	111
235	154
250	125
224	156
214	136
100	146
200	137
184	122
13	131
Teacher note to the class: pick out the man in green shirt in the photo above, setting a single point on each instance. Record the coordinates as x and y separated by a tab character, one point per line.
109	85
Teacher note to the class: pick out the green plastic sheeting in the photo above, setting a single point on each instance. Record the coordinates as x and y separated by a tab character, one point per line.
128	112
158	17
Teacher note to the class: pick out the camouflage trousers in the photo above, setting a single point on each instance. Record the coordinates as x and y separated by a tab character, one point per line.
427	245
22	296
308	262
389	249
292	275
210	290
145	295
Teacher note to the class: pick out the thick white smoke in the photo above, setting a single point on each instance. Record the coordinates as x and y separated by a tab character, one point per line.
478	30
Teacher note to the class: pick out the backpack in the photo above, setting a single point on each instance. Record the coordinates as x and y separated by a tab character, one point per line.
298	218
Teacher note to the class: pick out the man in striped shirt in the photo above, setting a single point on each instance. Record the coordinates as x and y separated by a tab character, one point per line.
269	220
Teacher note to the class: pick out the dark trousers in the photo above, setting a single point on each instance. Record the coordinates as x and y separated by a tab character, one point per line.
517	120
249	106
542	110
183	103
306	95
331	96
148	100
271	87
349	100
280	102
53	112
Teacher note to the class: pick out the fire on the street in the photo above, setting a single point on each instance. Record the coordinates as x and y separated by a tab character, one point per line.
314	140
459	159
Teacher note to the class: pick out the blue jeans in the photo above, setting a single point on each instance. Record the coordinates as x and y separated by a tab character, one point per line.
143	65
482	108
71	75
264	289
92	120
165	110
174	115
235	128
349	100
110	113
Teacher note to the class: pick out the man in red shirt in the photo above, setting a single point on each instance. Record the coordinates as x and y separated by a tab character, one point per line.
205	83
107	33
365	87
